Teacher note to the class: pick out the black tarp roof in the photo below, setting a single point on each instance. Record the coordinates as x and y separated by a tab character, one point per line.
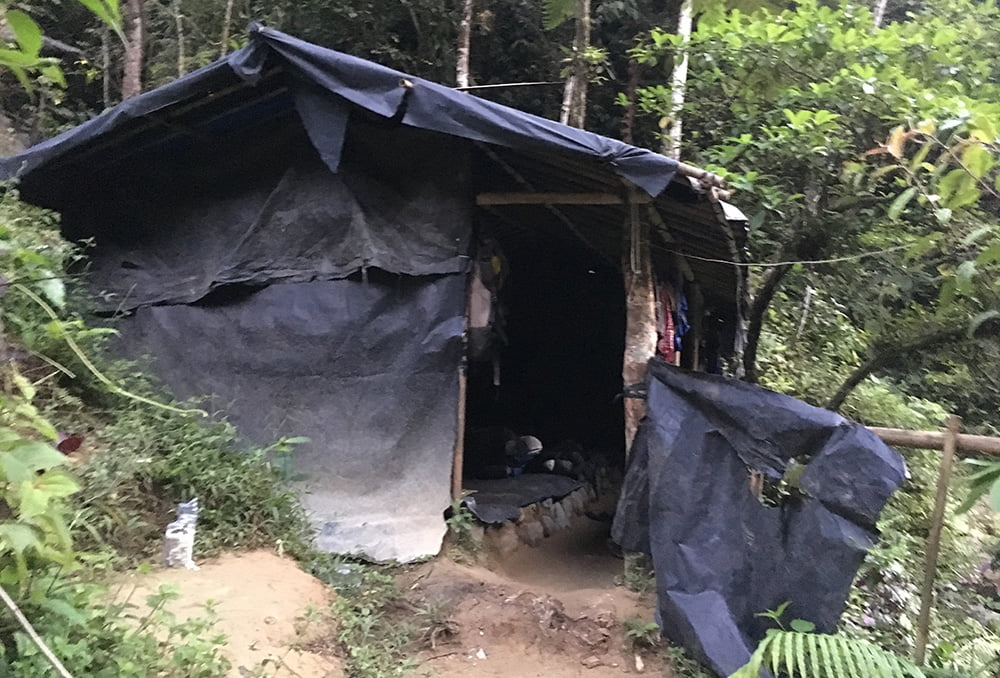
383	91
277	73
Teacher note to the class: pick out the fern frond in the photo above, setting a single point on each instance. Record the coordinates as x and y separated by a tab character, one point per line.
814	655
554	12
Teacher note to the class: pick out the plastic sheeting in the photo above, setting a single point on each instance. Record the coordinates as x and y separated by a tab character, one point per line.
307	303
501	500
366	370
720	555
323	79
290	224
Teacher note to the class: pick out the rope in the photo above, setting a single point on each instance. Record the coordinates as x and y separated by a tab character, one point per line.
804	262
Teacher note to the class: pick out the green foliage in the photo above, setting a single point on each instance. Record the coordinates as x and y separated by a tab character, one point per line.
641	634
117	640
142	457
638	576
461	527
684	665
842	140
556	12
156	458
813	655
983	481
34	485
373	642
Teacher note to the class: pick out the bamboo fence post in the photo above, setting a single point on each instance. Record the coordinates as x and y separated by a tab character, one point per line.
934	538
33	635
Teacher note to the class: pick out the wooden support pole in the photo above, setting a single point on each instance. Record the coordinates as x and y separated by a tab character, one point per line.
458	463
640	315
458	453
935	440
696	316
545	198
934	538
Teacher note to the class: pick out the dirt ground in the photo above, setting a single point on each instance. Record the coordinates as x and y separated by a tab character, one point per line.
552	611
265	606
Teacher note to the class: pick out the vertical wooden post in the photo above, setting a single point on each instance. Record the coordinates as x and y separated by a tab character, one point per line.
640	314
459	452
696	318
934	539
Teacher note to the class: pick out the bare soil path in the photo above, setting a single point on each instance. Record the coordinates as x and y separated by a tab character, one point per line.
552	611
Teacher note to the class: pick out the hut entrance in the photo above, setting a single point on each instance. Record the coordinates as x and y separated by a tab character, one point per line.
543	411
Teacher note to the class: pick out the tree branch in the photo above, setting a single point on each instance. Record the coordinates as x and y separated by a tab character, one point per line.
771	282
885	355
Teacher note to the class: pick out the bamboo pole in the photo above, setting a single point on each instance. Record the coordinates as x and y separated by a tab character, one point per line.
33	635
935	440
934	538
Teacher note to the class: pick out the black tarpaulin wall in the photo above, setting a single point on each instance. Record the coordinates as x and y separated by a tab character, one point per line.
307	303
720	555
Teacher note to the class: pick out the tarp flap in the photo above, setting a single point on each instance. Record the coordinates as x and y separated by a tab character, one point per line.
384	91
501	499
720	555
325	120
303	224
367	371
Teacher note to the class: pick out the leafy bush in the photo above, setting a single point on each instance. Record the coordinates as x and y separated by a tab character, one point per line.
815	655
120	640
138	460
374	643
154	458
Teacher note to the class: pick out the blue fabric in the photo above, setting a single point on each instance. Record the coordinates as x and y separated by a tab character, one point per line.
323	79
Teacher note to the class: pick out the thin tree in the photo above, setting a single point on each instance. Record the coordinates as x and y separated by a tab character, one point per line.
179	27
574	104
135	38
678	84
464	40
879	13
226	21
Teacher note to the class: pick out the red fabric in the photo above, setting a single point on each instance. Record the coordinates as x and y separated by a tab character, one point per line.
665	347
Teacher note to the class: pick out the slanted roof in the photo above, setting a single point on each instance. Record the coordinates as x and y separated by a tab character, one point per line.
277	73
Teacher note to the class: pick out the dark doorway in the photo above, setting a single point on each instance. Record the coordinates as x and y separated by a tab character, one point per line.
558	376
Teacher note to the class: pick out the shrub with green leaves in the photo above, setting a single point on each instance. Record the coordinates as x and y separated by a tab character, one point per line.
814	655
374	643
118	640
153	458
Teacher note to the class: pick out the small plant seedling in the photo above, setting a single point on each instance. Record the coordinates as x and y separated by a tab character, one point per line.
641	634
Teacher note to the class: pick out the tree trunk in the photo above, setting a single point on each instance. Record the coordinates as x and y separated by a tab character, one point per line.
179	27
678	84
761	300
883	356
464	45
879	13
574	108
640	317
860	373
226	22
135	38
106	67
631	88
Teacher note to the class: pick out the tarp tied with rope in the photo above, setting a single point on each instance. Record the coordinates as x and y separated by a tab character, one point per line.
721	555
